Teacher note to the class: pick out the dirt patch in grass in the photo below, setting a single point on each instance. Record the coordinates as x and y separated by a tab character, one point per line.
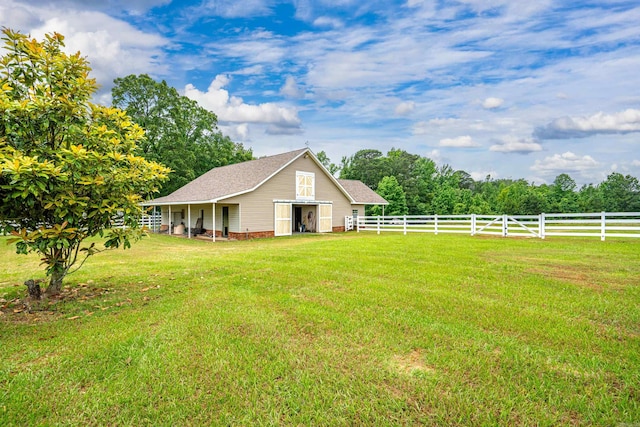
73	302
597	275
411	363
567	273
587	276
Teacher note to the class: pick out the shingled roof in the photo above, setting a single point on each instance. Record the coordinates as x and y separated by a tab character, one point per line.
360	193
232	180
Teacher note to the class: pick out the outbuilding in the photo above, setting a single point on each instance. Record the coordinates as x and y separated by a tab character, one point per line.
271	196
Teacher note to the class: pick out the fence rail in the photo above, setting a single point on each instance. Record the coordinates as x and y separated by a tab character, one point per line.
602	225
152	222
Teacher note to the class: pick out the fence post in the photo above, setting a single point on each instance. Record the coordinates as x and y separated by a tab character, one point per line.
435	223
505	226
473	224
405	224
378	221
603	225
541	225
357	220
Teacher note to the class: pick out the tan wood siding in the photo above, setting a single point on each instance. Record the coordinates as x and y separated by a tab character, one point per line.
234	217
257	209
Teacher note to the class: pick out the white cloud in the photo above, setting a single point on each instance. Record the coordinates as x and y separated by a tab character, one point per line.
514	145
436	156
291	88
113	47
459	142
236	132
481	176
442	122
427	127
491	103
249	71
325	21
405	108
584	126
134	7
274	129
566	162
420	128
281	120
19	17
232	8
635	163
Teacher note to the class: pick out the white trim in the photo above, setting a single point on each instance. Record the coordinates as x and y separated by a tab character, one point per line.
302	188
304	202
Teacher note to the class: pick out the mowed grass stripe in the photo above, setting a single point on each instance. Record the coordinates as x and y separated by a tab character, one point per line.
336	329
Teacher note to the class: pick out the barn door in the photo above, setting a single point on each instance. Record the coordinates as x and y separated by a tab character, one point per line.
282	219
325	213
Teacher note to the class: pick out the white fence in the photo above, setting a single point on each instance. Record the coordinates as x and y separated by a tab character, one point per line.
603	225
151	222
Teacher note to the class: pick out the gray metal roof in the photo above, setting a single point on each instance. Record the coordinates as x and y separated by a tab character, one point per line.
227	181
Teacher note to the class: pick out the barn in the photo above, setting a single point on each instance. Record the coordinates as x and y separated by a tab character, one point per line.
271	196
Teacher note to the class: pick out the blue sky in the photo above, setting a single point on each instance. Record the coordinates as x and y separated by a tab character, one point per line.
511	89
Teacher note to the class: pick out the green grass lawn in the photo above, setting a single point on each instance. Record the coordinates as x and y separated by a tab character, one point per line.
342	329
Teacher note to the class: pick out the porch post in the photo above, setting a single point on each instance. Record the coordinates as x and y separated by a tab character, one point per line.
189	221
213	217
170	232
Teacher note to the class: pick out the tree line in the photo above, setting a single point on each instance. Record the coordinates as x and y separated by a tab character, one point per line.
415	185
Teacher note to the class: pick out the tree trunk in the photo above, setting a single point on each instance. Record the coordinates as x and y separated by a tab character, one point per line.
55	284
34	289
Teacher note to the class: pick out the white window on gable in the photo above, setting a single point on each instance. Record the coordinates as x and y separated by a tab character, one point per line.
305	185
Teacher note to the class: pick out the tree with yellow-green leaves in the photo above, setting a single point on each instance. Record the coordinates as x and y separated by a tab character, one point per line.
67	165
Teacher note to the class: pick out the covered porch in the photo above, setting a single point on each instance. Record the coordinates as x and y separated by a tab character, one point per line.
212	220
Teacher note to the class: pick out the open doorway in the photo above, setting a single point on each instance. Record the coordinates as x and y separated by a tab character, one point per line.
225	221
297	219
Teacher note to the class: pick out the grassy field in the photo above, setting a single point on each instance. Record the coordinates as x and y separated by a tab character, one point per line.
342	329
